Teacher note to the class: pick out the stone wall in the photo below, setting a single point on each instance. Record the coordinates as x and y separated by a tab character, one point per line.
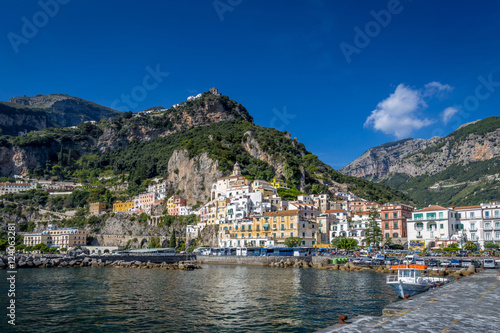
251	261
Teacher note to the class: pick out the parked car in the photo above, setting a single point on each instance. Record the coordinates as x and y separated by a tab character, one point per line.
456	263
389	260
356	261
446	262
366	261
489	263
433	263
420	261
466	263
378	261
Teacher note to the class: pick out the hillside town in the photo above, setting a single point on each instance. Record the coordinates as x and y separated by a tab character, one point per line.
252	214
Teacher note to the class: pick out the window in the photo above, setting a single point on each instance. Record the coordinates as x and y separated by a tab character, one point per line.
282	226
242	228
472	226
497	225
473	236
282	235
291	225
497	213
291	234
387	225
488	236
487	225
303	234
386	215
386	235
441	226
418	216
486	214
471	215
395	225
431	216
497	235
395	215
249	228
395	235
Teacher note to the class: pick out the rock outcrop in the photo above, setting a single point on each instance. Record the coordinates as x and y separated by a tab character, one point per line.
193	177
417	157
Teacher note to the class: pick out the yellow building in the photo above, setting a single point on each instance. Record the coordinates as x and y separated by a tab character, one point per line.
270	226
120	206
97	208
277	184
170	202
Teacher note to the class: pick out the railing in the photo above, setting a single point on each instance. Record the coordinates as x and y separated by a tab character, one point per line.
392	278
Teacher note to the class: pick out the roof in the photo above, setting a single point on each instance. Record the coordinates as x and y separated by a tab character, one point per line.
468	207
430	208
282	213
335	211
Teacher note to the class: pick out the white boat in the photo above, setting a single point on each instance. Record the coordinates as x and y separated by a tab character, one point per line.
410	280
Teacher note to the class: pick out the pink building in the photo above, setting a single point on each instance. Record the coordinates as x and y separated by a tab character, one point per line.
144	202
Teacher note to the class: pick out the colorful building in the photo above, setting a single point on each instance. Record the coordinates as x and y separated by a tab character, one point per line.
120	206
394	222
97	208
54	237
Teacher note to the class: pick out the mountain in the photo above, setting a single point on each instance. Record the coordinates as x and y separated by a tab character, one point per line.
24	114
191	144
461	168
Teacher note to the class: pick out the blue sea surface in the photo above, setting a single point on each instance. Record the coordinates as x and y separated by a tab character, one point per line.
213	299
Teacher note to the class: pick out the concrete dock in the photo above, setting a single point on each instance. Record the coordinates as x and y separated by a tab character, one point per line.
468	305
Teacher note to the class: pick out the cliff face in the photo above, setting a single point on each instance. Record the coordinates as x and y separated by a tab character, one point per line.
473	148
417	157
209	109
253	148
193	177
376	162
24	114
17	160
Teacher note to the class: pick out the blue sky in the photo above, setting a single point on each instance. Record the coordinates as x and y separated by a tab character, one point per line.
342	76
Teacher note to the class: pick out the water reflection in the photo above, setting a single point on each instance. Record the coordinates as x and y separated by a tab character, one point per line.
213	299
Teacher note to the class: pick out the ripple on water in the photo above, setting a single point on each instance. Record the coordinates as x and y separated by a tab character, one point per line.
213	299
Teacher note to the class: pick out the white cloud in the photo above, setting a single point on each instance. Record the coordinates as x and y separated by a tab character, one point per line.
436	88
448	113
398	114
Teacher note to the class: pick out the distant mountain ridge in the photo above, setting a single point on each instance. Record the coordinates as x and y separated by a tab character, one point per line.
190	144
24	114
411	164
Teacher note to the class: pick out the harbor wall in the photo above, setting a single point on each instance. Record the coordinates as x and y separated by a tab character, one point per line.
250	260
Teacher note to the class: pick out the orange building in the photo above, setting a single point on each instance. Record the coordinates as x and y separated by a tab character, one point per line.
394	219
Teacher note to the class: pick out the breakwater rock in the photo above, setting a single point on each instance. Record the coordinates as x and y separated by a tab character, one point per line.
47	262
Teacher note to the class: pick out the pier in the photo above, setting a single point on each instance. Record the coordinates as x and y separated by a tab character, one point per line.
466	305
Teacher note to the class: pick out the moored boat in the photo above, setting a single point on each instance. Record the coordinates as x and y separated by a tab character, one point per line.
411	281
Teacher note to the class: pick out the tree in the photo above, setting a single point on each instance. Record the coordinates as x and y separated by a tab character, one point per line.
172	242
373	234
293	241
470	246
154	243
345	243
491	245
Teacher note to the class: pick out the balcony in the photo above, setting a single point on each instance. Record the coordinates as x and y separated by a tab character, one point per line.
419	236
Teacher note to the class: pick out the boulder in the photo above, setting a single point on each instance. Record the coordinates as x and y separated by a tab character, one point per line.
471	269
336	266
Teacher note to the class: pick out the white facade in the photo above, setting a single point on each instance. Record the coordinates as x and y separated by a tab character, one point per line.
432	226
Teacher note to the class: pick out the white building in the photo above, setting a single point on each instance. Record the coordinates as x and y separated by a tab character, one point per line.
432	226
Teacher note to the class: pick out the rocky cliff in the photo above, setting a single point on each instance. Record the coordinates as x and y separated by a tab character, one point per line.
459	169
416	157
193	177
24	114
